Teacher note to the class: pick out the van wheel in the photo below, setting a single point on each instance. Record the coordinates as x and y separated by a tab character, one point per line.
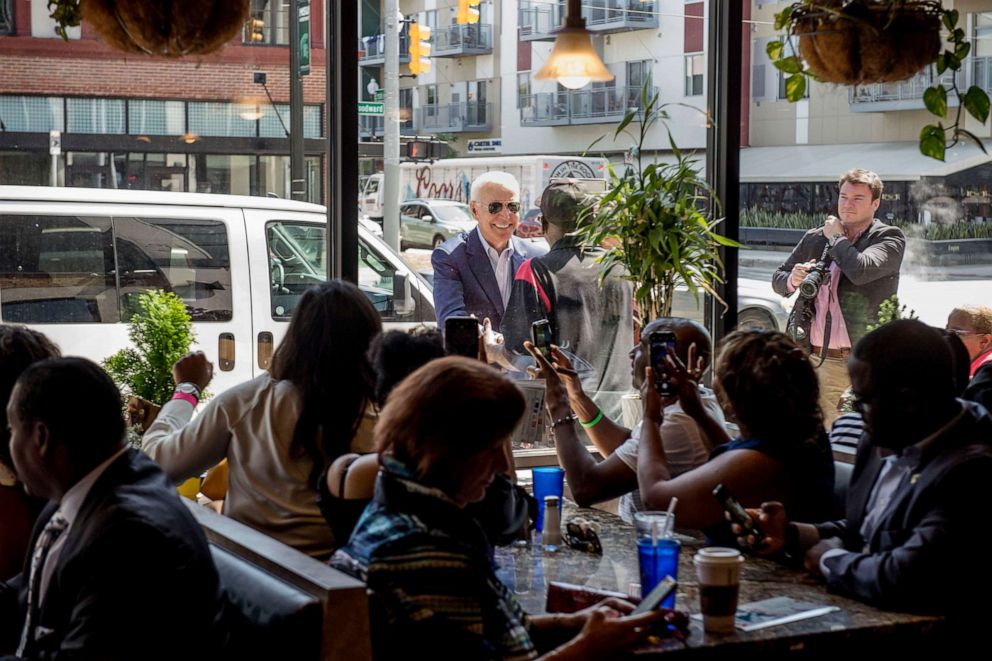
438	240
755	319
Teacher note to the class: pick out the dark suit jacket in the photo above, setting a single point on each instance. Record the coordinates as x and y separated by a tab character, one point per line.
134	580
464	281
980	388
920	555
869	268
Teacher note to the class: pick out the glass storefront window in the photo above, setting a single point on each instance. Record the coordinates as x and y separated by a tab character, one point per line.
32	114
105	116
219	119
153	117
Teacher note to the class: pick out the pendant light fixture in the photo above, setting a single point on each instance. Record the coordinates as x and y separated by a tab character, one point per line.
573	61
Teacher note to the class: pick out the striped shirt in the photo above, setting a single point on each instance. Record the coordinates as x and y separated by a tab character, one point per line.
846	432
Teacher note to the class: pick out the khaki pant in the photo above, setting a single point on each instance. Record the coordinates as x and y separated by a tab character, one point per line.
834	380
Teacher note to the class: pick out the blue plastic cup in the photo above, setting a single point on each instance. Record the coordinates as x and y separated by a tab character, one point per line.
658	560
548	481
657	553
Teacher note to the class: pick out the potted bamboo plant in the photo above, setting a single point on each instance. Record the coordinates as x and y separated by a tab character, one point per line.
660	220
851	42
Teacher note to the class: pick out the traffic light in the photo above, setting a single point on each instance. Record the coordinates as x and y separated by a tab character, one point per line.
468	12
256	30
420	49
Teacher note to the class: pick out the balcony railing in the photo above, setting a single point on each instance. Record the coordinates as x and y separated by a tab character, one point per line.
540	21
902	95
373	49
456	117
602	105
458	40
374	126
6	17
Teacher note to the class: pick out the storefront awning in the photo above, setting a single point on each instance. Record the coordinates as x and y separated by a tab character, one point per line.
892	161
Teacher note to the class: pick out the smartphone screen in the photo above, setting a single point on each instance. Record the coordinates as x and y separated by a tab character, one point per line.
540	332
656	596
461	336
661	341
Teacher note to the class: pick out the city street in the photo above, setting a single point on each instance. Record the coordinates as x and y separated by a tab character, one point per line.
929	291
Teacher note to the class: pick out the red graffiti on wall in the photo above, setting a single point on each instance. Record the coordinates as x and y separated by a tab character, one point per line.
427	188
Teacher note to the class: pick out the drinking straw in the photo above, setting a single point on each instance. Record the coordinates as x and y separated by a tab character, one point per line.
654	532
671	515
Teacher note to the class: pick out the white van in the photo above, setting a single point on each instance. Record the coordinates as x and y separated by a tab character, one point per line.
73	260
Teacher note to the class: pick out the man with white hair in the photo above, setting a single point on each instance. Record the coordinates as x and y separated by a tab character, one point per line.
473	272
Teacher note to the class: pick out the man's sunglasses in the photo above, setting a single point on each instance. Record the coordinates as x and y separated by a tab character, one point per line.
496	207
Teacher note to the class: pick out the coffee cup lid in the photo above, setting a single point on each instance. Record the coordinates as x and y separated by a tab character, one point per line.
718	555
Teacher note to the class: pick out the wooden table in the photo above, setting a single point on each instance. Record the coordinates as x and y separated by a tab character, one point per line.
855	629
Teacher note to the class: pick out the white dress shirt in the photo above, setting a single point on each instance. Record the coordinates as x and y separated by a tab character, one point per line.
502	266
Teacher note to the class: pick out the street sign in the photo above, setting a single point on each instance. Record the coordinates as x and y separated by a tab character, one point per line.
54	143
379	95
303	18
371	108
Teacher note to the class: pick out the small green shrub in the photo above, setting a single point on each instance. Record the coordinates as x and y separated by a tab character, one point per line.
162	333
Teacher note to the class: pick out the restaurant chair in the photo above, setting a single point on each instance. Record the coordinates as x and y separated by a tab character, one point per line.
842	480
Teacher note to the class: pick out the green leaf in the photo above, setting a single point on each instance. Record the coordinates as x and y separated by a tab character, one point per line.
941	64
974	138
950	19
628	118
774	49
961	50
932	142
976	102
957	36
790	64
795	87
935	99
953	61
782	18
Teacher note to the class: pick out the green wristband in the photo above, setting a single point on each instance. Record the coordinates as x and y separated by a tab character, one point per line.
594	421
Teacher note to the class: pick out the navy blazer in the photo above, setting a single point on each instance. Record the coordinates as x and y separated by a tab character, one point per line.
135	578
923	554
464	281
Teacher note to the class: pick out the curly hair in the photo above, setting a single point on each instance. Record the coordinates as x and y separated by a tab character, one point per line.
980	316
19	348
769	384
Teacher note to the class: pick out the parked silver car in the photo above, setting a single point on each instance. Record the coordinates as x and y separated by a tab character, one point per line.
429	223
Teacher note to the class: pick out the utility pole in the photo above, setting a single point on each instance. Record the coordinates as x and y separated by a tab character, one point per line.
391	128
297	177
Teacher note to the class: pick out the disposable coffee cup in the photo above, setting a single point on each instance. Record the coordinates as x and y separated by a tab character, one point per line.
718	571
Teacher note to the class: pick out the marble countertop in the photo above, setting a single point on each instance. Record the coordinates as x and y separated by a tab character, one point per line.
527	570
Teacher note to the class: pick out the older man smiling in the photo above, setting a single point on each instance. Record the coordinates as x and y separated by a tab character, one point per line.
473	271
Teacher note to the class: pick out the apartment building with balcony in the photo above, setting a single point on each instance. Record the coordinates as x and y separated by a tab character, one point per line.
459	98
657	43
798	150
197	124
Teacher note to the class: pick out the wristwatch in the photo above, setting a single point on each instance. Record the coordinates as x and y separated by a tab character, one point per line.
188	391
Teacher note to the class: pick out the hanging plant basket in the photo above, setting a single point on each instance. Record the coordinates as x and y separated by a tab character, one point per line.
166	28
867	41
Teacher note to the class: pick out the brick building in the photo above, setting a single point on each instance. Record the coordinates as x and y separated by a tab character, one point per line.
197	124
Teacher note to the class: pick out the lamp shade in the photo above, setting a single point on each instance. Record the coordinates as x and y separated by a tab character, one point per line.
573	61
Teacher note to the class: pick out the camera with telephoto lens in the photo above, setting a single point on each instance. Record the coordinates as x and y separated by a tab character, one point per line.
817	277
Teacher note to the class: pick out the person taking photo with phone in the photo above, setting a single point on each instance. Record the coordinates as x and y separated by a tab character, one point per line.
692	423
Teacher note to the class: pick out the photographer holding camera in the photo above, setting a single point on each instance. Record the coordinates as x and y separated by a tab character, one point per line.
843	271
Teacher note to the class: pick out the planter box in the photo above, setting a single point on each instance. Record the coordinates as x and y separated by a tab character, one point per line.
770	236
951	252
